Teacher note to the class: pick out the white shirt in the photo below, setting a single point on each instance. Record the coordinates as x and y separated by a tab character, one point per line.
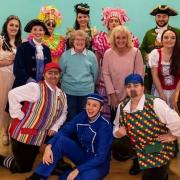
39	50
165	114
160	31
154	59
31	92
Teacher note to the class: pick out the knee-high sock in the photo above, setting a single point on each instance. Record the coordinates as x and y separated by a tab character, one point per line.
8	161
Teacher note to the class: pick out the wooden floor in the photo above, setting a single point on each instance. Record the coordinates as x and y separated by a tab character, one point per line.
119	170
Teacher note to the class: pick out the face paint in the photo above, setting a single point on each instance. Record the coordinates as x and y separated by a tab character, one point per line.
133	93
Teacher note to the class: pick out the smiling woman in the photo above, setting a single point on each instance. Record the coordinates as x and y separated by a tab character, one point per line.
82	22
165	67
119	61
79	72
32	55
10	39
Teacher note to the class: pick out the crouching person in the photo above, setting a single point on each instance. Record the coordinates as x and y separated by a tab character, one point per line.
151	126
43	112
90	151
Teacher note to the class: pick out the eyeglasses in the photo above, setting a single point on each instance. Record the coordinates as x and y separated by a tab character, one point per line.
77	39
49	24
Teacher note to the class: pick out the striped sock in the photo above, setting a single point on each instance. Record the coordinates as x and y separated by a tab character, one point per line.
7	161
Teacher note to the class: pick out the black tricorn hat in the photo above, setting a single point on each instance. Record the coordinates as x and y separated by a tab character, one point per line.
36	22
164	9
82	8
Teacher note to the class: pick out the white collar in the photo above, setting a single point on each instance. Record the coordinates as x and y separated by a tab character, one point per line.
36	43
50	87
140	105
74	52
98	115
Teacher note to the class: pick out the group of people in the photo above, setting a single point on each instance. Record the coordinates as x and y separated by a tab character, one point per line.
68	92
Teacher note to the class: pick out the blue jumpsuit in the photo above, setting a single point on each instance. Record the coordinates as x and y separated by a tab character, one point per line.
90	151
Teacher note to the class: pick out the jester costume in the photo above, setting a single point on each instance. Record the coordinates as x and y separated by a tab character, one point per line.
55	42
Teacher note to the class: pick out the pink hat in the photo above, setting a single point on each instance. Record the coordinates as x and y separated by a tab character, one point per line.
114	12
52	65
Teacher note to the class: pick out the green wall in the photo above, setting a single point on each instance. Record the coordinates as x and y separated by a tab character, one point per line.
137	11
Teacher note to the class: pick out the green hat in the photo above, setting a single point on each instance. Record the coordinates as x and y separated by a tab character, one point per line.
164	9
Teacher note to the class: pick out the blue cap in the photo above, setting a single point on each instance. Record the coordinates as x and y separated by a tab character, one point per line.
134	79
96	97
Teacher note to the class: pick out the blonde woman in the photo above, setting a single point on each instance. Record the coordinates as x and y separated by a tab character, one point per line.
119	61
111	17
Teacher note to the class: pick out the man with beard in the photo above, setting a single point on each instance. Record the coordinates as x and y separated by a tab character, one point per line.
152	38
151	126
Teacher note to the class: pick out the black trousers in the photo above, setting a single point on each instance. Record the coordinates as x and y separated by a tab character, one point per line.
113	114
24	156
158	173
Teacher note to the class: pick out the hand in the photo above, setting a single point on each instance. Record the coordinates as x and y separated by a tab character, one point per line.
113	101
163	97
121	132
166	138
12	56
174	99
48	155
73	174
7	62
51	132
9	59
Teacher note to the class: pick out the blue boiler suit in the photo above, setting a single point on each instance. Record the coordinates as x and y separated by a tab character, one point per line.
90	151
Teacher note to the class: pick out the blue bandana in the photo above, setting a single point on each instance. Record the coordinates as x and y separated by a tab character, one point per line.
134	79
96	97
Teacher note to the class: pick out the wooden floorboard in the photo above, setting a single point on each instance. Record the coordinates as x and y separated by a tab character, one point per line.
119	170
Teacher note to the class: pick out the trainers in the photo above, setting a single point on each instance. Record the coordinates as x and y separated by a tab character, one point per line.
5	140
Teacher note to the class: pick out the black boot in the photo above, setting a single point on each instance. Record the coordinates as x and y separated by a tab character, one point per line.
1	160
121	149
176	148
135	169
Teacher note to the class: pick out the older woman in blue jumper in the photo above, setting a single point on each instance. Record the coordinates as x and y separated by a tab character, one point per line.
91	149
79	72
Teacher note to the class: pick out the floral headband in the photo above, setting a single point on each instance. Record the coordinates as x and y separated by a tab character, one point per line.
114	12
50	13
82	8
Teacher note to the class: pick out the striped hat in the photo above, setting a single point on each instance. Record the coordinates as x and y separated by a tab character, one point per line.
96	97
